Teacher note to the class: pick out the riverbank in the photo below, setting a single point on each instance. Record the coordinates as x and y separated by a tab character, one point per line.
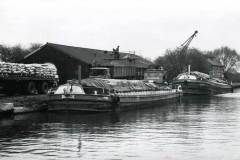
26	103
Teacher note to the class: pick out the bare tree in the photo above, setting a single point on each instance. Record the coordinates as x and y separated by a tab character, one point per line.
14	53
226	56
34	46
5	53
175	62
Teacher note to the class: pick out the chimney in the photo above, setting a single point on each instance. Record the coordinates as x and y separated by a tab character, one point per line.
116	53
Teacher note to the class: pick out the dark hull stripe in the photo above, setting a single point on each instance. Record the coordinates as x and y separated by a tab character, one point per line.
83	103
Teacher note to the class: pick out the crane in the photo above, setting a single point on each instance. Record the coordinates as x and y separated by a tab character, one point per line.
185	44
182	51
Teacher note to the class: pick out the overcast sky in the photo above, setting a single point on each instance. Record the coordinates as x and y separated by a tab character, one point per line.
148	27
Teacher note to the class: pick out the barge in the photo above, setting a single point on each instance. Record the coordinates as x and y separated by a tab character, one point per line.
104	95
197	83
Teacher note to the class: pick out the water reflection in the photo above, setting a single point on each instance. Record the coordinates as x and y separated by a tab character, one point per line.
196	128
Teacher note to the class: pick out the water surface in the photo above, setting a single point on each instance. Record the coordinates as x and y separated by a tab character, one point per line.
197	128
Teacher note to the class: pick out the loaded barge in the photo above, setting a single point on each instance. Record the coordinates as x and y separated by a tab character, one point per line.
197	83
104	95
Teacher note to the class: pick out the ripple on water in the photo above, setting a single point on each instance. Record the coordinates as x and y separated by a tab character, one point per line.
197	128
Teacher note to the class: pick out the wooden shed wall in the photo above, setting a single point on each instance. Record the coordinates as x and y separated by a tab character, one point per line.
67	66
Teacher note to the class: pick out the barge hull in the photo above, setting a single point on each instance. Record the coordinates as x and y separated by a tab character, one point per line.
158	102
197	87
98	103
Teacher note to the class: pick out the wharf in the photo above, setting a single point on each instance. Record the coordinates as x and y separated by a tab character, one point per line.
26	104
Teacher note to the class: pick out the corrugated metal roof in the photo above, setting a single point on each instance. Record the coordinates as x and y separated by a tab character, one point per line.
89	56
84	54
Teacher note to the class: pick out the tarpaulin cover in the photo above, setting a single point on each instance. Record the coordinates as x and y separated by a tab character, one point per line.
200	75
119	85
195	74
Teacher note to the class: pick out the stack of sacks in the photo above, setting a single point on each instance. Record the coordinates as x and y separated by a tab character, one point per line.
49	69
120	85
5	68
33	70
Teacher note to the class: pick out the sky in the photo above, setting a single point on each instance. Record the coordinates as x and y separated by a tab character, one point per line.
143	27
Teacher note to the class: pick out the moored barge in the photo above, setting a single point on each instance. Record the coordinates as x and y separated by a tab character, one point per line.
197	83
104	95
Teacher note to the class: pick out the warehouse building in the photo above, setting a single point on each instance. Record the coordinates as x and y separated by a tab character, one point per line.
75	62
216	69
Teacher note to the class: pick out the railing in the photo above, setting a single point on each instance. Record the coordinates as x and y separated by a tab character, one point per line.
104	91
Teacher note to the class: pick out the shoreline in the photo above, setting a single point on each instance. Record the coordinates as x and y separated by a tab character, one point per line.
25	103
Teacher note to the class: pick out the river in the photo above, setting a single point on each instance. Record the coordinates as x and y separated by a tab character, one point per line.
196	128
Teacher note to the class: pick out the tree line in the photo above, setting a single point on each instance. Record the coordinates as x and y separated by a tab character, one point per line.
173	61
17	52
176	61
